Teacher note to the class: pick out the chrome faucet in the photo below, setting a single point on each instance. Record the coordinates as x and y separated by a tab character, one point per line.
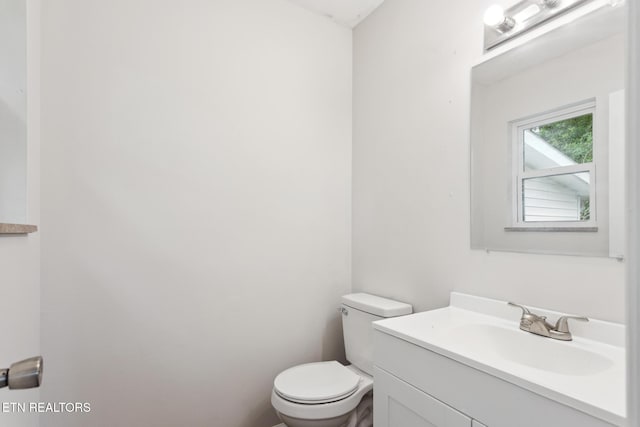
538	325
561	330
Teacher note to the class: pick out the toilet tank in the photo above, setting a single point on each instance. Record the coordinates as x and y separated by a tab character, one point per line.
358	311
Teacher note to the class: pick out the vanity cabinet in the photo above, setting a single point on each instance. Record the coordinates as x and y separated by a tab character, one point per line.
398	403
416	387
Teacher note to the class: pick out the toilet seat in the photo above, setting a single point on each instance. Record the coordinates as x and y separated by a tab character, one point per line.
318	411
316	383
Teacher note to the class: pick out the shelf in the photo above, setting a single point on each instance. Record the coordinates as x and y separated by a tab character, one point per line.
17	228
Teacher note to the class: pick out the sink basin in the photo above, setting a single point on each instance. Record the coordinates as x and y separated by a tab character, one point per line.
531	350
587	374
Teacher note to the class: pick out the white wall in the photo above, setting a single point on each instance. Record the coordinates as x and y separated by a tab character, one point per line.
412	62
196	205
633	187
13	111
20	255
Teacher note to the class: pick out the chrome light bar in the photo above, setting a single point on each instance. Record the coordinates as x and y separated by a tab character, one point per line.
501	25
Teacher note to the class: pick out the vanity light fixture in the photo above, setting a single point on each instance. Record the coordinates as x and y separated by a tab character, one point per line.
501	25
527	13
494	17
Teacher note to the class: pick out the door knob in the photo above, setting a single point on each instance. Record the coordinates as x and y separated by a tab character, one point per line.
24	374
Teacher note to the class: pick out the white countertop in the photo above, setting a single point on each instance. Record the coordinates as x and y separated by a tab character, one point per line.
587	374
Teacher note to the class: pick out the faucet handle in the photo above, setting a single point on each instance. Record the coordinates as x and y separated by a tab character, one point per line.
524	309
562	325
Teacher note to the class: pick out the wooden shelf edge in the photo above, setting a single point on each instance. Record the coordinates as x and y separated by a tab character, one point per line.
17	228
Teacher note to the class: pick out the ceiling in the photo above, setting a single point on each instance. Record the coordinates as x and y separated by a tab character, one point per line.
345	12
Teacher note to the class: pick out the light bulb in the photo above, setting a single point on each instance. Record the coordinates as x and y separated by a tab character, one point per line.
494	16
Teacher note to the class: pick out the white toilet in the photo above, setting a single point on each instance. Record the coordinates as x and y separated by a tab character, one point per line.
329	394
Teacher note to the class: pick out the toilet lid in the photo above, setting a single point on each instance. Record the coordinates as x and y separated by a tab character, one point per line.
321	382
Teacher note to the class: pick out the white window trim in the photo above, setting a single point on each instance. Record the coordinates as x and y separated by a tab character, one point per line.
519	174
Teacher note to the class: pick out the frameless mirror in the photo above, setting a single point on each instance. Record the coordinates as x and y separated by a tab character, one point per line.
13	112
547	141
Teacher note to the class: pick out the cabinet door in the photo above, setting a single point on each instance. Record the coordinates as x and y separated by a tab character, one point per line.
399	404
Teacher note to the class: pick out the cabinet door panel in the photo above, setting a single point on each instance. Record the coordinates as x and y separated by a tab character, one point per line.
466	388
398	404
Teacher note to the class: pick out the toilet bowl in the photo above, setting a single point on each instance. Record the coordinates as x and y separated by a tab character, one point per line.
330	394
324	394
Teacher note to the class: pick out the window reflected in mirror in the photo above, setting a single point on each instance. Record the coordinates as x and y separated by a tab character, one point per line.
559	143
553	198
555	167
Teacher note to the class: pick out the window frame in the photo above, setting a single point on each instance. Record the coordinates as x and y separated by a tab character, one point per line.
519	174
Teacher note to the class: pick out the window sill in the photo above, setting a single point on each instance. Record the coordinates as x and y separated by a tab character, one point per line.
555	229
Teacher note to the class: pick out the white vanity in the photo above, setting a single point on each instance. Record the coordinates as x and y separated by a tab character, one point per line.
469	364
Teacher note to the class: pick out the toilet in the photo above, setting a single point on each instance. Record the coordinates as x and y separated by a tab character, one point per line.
330	394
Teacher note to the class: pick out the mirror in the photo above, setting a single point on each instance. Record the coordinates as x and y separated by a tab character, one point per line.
547	142
13	112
